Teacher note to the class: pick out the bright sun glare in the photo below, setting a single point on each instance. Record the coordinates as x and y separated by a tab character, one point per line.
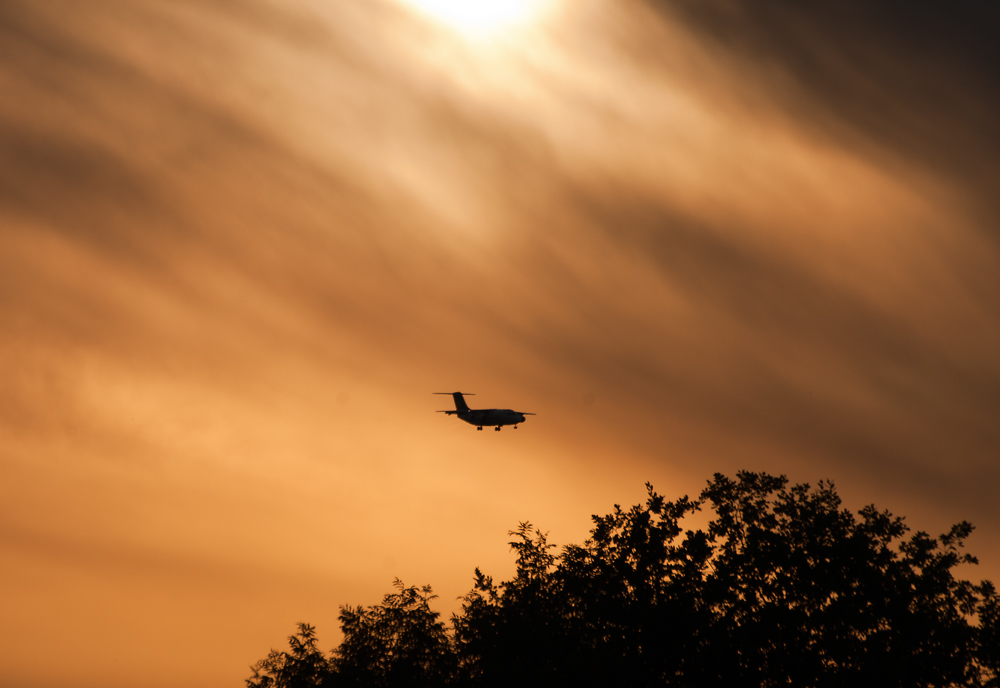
479	17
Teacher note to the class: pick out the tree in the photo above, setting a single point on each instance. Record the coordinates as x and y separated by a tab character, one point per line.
515	633
399	643
303	667
783	587
802	592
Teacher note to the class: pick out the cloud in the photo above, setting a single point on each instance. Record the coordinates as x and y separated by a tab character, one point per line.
903	79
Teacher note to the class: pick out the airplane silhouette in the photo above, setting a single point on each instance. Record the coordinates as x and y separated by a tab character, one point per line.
481	417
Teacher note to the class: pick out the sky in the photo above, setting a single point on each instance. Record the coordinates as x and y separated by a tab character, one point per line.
242	242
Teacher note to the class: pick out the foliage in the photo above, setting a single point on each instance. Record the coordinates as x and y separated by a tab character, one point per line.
303	667
398	643
783	587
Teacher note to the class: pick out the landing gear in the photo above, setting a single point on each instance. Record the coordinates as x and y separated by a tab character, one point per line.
479	428
497	428
515	427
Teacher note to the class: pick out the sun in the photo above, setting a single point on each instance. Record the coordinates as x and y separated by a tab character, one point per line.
479	17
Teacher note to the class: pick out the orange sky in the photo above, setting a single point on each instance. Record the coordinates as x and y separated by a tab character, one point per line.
242	241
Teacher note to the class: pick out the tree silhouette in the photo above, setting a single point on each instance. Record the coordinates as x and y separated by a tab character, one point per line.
784	587
303	667
398	643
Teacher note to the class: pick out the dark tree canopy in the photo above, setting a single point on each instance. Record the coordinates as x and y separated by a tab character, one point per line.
785	587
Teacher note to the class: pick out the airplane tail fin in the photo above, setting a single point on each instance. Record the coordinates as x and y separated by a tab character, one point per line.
459	398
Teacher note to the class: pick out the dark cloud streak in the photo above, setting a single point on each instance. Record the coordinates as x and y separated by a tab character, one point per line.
913	78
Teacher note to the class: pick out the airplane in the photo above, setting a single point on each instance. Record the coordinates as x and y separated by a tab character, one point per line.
481	417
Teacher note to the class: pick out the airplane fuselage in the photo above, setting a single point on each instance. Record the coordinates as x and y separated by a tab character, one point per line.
495	418
491	417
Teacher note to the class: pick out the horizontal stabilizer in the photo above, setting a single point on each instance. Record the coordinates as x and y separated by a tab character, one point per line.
460	404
